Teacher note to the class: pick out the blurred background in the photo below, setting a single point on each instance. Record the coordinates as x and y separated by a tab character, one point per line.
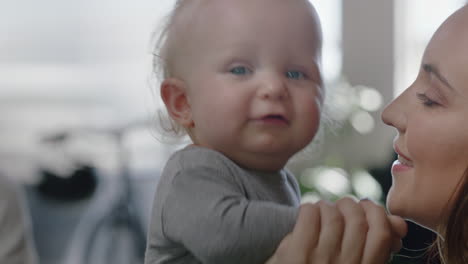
77	101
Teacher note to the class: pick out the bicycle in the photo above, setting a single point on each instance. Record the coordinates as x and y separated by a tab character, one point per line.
110	230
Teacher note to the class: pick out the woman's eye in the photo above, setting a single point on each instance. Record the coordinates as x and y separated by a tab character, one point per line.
239	70
426	101
295	75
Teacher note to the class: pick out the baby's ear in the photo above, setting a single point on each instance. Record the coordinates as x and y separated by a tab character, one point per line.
174	95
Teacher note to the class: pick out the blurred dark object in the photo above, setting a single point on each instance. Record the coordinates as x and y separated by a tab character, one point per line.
417	247
56	138
80	184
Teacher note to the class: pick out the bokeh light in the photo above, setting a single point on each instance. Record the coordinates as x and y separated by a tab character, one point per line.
365	186
310	197
326	180
362	122
370	99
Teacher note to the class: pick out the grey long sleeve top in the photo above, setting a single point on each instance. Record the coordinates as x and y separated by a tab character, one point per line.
209	210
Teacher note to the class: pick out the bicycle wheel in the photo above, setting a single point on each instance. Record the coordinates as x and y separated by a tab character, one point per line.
110	232
115	242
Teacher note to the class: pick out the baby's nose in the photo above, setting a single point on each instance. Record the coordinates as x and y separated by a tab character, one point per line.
274	87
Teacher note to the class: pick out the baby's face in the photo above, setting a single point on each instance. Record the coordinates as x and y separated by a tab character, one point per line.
252	70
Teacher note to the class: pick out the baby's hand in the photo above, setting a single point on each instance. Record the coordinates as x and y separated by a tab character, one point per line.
347	231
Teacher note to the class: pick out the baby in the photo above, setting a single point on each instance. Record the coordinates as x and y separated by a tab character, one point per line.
243	79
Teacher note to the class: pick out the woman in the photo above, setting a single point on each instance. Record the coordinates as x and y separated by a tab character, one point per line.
430	177
430	185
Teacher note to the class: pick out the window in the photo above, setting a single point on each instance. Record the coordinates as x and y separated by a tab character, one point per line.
329	12
416	22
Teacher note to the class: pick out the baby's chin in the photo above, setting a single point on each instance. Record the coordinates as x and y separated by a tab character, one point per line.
261	164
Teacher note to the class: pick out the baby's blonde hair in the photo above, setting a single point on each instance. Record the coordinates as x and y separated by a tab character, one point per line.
163	69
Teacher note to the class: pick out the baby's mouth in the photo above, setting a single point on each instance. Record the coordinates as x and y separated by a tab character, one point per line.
275	119
279	117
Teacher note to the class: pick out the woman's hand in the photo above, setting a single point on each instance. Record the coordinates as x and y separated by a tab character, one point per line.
347	231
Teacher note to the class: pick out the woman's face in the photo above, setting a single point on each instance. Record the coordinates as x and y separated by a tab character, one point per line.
431	118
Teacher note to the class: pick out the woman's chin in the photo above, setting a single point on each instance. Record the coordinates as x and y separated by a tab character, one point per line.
396	206
400	208
413	210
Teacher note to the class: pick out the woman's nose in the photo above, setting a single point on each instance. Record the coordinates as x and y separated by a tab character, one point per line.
394	114
273	87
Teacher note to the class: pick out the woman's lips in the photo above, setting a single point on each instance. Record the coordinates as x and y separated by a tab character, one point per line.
400	167
402	164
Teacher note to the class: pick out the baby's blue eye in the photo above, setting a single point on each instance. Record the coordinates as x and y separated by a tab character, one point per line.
239	70
295	75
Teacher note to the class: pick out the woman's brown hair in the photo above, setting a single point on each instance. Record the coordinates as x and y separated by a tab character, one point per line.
453	248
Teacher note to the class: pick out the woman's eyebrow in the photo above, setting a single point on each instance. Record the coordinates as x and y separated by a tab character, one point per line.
432	69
